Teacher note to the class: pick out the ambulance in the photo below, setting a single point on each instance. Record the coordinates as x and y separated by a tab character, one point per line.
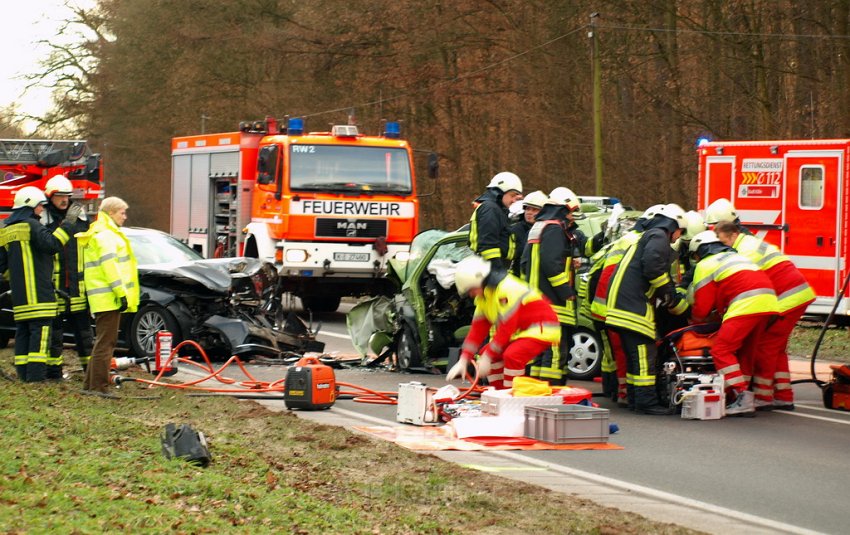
792	194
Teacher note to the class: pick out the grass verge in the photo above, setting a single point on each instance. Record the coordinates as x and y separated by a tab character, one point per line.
81	464
833	347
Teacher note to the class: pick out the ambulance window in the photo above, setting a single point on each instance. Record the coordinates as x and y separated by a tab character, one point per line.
811	187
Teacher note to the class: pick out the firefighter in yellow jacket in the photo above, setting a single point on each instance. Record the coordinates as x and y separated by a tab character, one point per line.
26	251
112	285
519	321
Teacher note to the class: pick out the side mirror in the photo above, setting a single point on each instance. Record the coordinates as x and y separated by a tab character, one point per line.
433	165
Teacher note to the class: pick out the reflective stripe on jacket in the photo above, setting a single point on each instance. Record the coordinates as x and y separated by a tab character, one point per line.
644	269
68	271
511	310
732	285
547	265
490	234
26	251
791	287
110	266
613	256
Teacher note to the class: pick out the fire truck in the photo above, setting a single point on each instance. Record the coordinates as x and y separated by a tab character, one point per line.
32	162
793	194
329	208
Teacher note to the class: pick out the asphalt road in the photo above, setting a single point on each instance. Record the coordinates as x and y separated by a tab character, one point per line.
787	467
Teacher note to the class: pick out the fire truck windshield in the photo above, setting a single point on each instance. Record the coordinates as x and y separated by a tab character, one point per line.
333	167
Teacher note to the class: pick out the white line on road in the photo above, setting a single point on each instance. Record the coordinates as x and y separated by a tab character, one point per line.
813	417
334	335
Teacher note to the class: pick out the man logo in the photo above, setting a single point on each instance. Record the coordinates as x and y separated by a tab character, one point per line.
351	227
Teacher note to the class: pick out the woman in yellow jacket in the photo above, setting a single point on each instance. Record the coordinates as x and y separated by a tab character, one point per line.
112	285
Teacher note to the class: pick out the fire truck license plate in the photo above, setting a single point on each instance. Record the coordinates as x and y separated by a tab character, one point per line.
351	257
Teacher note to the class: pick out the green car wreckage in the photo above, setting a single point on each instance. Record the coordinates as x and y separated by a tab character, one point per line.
424	324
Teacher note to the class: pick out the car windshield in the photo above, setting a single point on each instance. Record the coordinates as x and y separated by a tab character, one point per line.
370	169
151	247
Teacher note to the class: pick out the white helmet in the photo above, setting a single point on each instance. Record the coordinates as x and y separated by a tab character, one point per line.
694	224
562	196
58	184
703	238
506	181
720	210
673	211
651	211
535	199
29	196
471	272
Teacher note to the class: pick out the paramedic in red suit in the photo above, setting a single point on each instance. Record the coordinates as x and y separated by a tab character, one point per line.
519	320
794	295
740	293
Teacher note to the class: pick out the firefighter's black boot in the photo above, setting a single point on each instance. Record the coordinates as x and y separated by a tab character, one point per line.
609	383
36	372
21	370
54	373
630	396
646	402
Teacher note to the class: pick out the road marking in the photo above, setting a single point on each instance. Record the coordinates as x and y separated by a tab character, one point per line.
658	494
335	335
813	417
487	468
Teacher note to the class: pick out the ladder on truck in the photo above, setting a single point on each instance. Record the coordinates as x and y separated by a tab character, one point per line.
33	151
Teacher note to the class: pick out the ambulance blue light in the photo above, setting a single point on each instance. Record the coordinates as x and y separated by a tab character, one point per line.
392	130
702	141
295	126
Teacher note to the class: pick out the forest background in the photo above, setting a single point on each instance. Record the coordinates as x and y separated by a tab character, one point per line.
488	85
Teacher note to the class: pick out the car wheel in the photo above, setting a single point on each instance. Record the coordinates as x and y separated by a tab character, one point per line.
321	303
149	320
407	351
585	356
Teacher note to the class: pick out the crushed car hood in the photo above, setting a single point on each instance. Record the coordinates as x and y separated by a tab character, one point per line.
214	274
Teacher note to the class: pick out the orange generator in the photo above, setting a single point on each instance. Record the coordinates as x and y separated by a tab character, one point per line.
310	385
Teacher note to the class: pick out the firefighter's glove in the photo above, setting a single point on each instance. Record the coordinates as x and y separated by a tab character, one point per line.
667	299
484	364
72	215
459	369
123	305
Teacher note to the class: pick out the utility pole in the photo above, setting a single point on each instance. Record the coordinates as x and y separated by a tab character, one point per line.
204	122
597	101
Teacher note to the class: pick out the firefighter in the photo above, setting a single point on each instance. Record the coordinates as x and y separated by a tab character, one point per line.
489	232
603	265
68	277
531	206
729	285
547	265
112	285
641	278
724	210
794	295
519	320
27	253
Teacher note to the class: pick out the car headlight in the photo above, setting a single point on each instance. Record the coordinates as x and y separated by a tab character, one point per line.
296	255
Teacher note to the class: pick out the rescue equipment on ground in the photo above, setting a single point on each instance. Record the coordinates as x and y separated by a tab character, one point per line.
705	400
685	361
183	442
836	393
163	352
567	424
416	404
122	363
309	385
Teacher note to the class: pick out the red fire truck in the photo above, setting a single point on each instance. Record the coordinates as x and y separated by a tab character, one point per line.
328	208
32	162
793	194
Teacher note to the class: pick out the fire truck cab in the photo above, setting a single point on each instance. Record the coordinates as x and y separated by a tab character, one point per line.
329	209
32	162
792	194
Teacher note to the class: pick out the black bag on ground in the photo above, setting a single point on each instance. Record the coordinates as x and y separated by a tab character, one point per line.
183	442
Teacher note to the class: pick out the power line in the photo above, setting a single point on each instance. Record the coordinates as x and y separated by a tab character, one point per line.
456	79
722	33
